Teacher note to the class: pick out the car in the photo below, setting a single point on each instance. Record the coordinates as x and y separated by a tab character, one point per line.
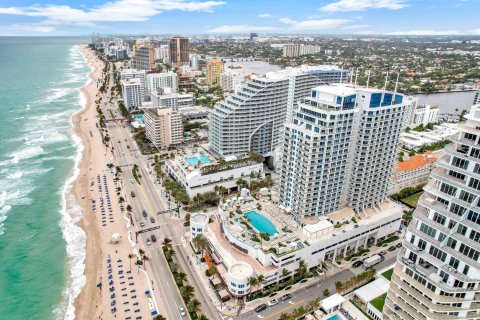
142	223
392	248
286	297
357	264
261	307
382	253
132	181
181	310
154	239
144	213
152	219
118	141
272	302
399	245
149	242
132	194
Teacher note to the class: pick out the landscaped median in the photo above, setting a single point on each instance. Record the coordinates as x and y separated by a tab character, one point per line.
181	280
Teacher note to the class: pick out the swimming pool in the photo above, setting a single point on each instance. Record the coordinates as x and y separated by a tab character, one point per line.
334	317
139	116
261	223
195	160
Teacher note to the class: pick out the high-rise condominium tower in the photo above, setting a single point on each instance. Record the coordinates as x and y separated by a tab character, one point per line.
179	52
339	149
437	273
252	119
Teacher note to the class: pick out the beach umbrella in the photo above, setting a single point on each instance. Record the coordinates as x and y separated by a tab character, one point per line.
147	292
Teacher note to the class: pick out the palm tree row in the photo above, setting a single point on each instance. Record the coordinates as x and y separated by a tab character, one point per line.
181	279
355	281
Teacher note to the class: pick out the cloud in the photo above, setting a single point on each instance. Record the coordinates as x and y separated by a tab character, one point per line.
360	5
33	27
264	15
115	11
356	26
313	24
475	31
241	28
424	33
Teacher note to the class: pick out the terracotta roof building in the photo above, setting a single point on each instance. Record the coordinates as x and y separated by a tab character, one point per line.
412	172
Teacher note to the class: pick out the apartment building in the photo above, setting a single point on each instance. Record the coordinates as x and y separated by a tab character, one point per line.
127	74
423	115
162	53
339	149
296	50
412	172
230	79
164	127
164	98
132	93
437	272
214	70
156	81
252	118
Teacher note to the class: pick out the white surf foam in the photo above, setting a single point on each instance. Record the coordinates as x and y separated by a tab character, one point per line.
73	235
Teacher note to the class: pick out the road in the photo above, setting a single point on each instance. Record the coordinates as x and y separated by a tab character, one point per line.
148	197
303	296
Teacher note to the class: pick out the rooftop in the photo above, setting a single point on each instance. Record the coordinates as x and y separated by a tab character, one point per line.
416	161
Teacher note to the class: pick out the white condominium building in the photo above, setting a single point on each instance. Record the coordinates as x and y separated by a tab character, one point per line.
296	50
132	93
127	74
339	150
166	99
164	127
162	53
437	273
423	115
252	119
231	78
156	81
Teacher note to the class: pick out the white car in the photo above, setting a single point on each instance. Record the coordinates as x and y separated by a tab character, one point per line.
181	310
272	302
149	242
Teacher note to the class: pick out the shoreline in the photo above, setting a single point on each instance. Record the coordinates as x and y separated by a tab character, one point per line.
92	260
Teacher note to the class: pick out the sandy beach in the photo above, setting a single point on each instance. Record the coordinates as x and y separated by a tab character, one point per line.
121	288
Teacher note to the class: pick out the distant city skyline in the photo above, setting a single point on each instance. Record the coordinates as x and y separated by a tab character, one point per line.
387	17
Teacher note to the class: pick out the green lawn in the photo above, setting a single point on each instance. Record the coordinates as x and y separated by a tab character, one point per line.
388	274
387	241
412	200
379	302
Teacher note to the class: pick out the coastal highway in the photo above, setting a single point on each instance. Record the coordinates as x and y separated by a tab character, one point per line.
148	196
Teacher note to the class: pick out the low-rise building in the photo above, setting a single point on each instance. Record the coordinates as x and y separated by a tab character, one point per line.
164	127
414	140
272	241
194	113
200	172
424	114
412	172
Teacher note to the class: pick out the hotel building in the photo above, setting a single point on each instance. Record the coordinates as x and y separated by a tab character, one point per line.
156	81
253	118
340	149
144	57
437	273
164	127
412	172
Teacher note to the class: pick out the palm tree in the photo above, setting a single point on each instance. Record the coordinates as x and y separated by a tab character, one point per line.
302	269
212	270
159	317
167	243
121	200
261	280
187	292
194	306
129	208
201	243
181	277
202	317
145	258
285	273
130	257
253	282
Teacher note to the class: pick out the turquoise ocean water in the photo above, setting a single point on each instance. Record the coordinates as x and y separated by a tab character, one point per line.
41	249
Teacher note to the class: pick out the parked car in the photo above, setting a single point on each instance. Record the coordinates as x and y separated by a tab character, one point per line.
132	194
392	248
399	245
154	239
152	220
144	213
272	302
286	297
133	181
261	307
149	242
181	310
383	252
142	223
357	264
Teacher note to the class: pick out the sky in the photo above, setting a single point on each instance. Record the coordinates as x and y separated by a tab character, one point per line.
189	17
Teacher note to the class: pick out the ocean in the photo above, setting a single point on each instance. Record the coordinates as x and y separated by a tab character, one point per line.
41	248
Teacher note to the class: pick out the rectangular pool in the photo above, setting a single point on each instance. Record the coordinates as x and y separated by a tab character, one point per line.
334	317
203	159
261	223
